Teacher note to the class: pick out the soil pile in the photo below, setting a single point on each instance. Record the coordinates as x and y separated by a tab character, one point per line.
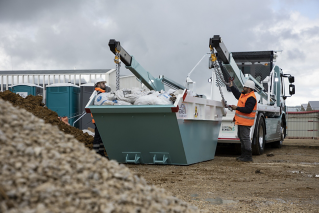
45	170
34	105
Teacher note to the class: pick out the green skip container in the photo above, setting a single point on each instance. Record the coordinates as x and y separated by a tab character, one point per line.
181	134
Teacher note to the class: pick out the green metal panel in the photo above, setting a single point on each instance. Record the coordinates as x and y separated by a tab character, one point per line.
199	139
152	134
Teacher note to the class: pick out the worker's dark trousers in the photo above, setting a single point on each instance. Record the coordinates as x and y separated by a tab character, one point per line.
243	134
97	143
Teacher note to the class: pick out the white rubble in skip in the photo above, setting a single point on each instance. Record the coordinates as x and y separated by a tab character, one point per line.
136	96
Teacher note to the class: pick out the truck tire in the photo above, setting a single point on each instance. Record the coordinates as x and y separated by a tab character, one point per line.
278	144
258	145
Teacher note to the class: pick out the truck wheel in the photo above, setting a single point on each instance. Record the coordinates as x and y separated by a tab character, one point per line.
278	144
258	145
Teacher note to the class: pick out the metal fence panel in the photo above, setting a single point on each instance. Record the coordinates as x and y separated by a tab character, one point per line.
303	124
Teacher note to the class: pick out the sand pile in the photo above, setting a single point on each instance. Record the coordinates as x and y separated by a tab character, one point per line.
34	105
45	170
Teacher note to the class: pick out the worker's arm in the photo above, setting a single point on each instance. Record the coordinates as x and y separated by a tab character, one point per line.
235	91
249	106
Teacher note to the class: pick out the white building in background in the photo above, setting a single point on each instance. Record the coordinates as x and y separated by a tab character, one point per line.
293	109
304	107
312	105
126	82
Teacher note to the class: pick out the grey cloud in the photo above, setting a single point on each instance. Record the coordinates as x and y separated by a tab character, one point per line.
310	32
166	37
32	10
295	54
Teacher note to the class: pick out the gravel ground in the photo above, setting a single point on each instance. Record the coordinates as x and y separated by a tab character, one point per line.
46	170
281	180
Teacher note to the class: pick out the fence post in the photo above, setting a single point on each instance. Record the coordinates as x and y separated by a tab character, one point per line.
44	90
1	83
7	82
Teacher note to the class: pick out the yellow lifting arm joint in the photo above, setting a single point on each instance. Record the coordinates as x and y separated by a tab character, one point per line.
213	57
117	59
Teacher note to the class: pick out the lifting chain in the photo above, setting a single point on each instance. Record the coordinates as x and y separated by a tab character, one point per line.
117	61
220	76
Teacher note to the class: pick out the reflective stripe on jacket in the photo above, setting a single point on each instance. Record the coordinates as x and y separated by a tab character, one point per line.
245	119
99	90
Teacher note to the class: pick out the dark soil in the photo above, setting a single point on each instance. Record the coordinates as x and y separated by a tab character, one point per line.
34	105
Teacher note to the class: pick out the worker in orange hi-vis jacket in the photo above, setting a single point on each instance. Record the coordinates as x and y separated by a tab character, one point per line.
245	117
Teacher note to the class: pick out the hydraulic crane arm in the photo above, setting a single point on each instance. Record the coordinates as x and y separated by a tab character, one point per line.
145	77
217	43
227	60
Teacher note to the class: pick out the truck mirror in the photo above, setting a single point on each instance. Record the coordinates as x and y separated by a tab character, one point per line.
291	89
291	79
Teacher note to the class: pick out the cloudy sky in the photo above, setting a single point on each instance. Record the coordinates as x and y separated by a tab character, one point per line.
167	37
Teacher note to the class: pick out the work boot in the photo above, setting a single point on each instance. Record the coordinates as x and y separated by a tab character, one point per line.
241	154
247	156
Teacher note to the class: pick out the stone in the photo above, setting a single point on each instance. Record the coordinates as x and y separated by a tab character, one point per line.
45	170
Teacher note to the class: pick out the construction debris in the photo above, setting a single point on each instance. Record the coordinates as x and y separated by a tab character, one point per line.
136	96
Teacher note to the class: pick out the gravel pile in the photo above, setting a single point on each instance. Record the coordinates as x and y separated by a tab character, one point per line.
45	170
34	105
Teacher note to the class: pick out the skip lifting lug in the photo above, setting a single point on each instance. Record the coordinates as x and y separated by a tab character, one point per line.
227	106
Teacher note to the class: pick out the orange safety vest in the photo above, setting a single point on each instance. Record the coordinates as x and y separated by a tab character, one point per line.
101	91
245	119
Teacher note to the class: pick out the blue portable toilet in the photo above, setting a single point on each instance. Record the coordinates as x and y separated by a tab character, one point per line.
26	89
64	99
